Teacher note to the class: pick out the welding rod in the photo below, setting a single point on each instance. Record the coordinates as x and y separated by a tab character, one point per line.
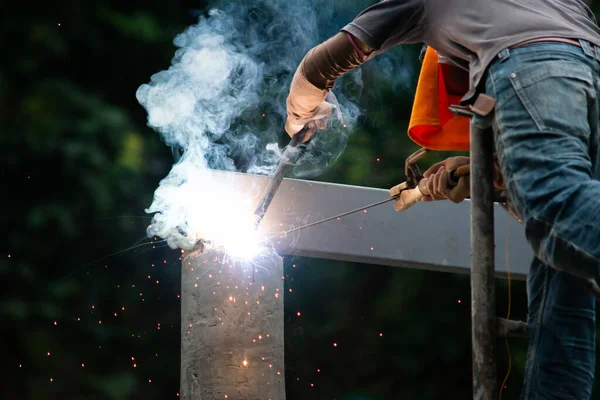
289	157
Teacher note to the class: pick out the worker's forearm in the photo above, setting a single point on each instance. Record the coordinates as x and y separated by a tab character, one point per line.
333	58
318	71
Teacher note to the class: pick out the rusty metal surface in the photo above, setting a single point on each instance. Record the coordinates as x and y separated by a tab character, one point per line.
483	288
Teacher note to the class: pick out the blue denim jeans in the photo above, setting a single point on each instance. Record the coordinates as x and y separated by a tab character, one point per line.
546	129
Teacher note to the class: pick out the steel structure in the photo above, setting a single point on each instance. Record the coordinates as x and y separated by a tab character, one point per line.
483	288
431	236
232	319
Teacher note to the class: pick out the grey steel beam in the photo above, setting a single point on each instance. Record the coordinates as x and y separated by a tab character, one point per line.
432	236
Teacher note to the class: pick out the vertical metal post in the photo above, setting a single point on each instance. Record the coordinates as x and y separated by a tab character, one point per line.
483	296
232	328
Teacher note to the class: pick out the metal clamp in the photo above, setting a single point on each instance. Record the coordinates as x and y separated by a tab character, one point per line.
412	170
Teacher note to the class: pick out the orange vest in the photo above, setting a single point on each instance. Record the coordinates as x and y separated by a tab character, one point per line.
432	125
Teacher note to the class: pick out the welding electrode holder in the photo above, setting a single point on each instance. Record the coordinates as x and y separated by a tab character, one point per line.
414	189
289	157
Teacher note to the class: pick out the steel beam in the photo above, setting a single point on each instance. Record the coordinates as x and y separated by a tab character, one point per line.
432	236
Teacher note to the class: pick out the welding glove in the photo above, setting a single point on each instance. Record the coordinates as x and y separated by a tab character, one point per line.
310	98
306	103
439	184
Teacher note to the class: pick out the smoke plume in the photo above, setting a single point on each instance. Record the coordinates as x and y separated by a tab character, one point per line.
221	105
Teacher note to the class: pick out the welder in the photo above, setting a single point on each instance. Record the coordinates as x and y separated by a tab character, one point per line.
540	61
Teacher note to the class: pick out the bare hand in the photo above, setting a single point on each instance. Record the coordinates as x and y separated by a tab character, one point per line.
439	184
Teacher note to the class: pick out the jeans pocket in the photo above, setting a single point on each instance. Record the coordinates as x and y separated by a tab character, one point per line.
554	95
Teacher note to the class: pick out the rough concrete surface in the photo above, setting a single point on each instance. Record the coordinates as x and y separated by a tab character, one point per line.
232	328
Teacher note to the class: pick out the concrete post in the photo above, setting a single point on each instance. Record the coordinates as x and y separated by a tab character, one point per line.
232	328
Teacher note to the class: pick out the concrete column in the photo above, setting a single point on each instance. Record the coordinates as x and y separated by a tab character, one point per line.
232	328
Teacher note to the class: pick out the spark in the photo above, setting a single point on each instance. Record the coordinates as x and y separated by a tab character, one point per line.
225	221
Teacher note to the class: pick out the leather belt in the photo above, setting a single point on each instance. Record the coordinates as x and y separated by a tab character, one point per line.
546	39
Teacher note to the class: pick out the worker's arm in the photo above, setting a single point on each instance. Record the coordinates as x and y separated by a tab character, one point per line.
316	76
373	31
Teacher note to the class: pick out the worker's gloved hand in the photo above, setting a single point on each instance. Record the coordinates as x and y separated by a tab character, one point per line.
318	121
306	103
439	184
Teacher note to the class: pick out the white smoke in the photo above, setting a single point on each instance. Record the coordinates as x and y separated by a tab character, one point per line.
222	102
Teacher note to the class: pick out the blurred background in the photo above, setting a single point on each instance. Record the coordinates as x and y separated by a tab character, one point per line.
85	314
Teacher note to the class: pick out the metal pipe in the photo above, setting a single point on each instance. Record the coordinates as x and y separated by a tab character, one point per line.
483	296
289	157
511	328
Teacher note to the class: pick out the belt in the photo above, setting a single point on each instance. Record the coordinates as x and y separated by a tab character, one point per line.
546	39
